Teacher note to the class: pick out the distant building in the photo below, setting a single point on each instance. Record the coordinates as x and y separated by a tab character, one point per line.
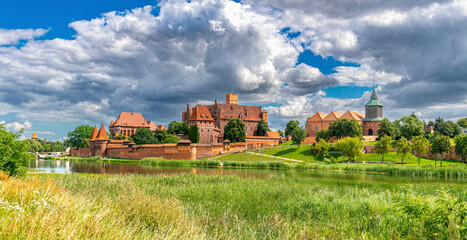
222	113
201	117
429	129
34	136
127	123
369	121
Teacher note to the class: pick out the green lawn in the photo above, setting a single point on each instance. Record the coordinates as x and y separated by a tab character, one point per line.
230	207
410	159
249	157
292	151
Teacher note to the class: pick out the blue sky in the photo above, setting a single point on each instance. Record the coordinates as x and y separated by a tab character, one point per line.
59	69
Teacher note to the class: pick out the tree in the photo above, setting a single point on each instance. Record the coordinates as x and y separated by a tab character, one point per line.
291	125
193	134
320	149
461	146
387	128
13	153
383	146
162	136
411	127
403	147
298	135
262	128
350	147
120	137
462	122
33	145
235	131
441	144
324	135
448	128
143	136
178	128
345	128
421	145
79	138
438	120
280	133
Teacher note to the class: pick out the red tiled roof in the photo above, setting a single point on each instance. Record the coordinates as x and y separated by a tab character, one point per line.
161	127
102	135
94	134
201	113
130	119
351	115
152	126
318	116
273	134
332	116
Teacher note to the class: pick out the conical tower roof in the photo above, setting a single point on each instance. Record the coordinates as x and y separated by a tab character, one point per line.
34	135
373	99
102	135
94	134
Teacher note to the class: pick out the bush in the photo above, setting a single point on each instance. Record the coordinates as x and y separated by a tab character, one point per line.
13	153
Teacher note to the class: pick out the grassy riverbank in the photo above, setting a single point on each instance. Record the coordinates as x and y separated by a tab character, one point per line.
229	207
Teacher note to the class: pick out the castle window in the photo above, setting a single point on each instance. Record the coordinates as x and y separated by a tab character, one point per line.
370	132
316	128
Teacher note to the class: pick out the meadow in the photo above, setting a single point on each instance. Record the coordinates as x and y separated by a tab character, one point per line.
228	207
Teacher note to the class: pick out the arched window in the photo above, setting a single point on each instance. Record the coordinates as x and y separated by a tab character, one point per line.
370	132
316	128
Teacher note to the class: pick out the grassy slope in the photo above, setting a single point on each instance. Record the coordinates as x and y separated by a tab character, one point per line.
229	207
291	151
249	157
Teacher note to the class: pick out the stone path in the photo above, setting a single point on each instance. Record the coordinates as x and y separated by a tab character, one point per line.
283	158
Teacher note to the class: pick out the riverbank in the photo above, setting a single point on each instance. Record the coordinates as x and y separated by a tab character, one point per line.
192	206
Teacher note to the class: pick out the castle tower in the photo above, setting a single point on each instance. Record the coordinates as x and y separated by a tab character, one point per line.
92	141
34	136
231	98
100	142
373	115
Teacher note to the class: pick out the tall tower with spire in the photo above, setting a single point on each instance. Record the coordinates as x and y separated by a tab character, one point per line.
373	114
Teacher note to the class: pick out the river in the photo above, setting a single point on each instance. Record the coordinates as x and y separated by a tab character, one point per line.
69	167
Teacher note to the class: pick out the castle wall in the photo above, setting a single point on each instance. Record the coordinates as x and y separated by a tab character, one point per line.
80	152
373	125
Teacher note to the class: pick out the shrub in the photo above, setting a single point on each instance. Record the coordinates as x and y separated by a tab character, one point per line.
13	153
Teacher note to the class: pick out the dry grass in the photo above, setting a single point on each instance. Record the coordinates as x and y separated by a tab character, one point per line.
35	209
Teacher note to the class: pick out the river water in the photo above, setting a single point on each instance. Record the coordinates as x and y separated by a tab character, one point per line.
68	167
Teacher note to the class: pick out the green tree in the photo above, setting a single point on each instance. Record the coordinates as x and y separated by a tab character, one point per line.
178	128
120	137
462	122
350	147
298	135
280	133
33	145
461	146
383	146
345	128
403	147
421	145
320	149
235	131
323	134
448	128
143	136
291	125
411	127
79	138
13	153
387	128
193	134
262	128
441	144
162	136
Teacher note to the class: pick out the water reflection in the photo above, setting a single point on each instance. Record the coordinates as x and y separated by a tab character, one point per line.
67	166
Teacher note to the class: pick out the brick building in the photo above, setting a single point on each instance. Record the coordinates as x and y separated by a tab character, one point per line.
127	123
221	114
369	121
201	117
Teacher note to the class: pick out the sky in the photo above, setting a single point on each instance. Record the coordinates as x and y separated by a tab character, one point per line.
63	64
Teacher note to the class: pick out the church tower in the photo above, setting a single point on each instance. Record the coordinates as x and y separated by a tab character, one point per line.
373	115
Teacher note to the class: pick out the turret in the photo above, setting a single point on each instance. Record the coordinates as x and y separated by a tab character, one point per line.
100	143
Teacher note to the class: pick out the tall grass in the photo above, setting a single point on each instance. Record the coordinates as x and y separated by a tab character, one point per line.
229	207
34	208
